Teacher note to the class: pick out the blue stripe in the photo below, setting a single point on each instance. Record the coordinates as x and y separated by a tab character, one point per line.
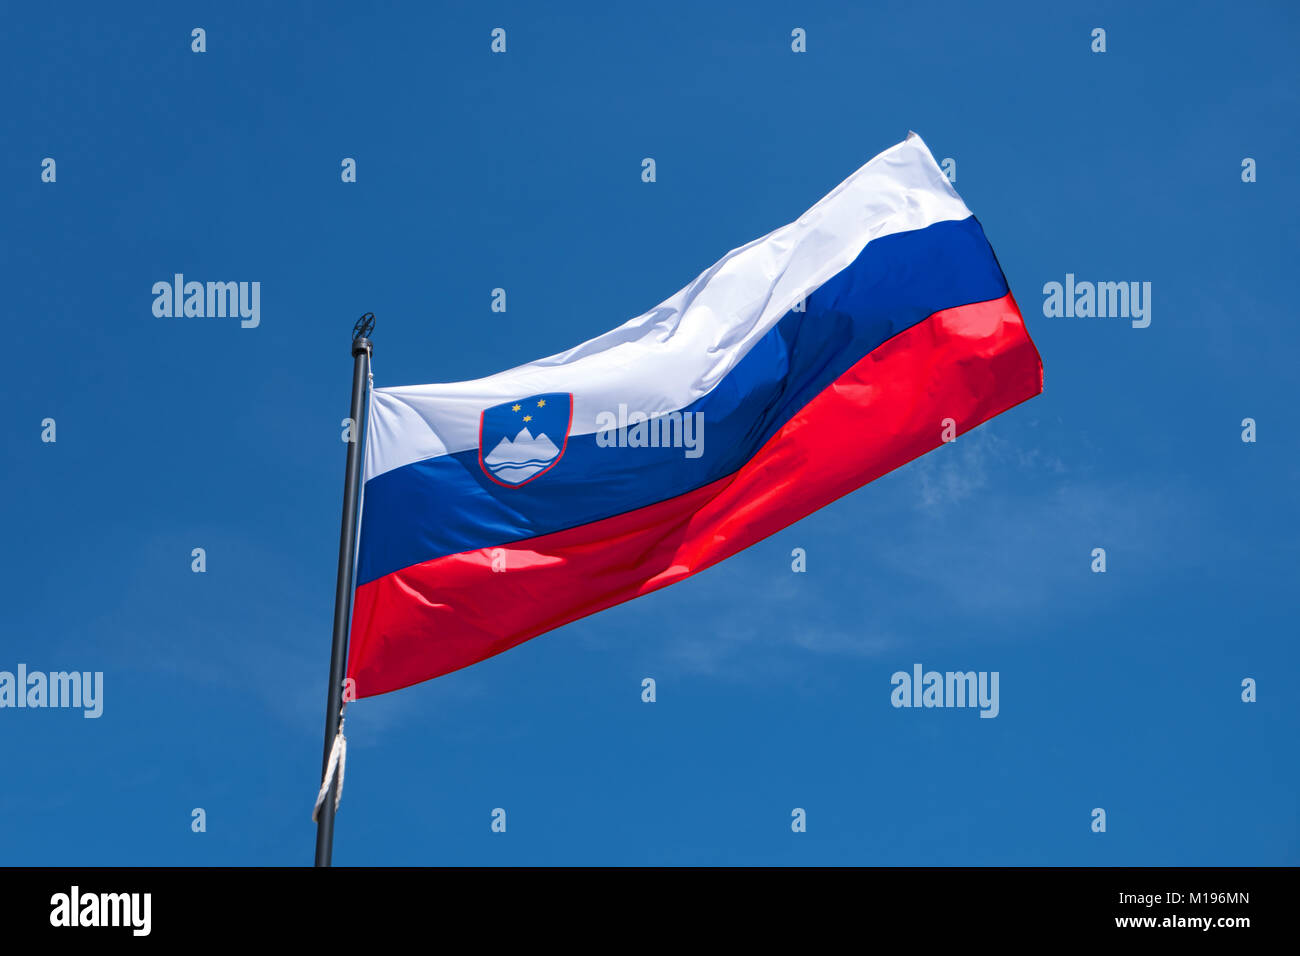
446	505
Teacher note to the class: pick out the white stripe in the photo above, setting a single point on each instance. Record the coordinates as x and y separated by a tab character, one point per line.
672	355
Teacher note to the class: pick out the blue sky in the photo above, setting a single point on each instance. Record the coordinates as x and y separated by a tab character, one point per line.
475	171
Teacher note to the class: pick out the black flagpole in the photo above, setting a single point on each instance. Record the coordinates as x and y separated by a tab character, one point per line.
361	348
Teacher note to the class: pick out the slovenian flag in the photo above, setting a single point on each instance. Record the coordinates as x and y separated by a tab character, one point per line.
798	368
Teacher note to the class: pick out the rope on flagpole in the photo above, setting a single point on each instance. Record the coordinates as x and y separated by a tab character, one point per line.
338	761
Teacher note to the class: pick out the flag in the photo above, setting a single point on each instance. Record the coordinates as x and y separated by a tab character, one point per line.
798	368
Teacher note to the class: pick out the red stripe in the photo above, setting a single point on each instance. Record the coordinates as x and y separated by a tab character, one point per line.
967	364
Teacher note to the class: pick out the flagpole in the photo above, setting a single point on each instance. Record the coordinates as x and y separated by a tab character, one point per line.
361	348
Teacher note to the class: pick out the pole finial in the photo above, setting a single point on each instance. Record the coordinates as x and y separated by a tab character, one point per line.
361	333
365	325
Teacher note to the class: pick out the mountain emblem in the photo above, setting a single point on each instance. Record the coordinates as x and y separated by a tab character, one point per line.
523	439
